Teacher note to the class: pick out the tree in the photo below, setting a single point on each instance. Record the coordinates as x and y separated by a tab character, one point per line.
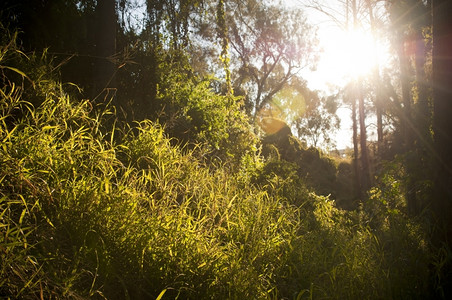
313	117
269	45
162	40
411	23
351	15
63	29
359	95
442	125
377	79
105	68
319	120
365	168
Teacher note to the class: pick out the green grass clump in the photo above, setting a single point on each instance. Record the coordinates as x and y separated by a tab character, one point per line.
157	220
90	210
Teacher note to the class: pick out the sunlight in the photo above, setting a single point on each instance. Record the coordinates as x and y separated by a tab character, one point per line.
358	53
349	54
345	56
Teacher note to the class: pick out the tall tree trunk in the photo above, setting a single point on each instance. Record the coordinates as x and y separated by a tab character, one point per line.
105	46
442	124
356	150
422	140
365	170
406	122
422	111
379	112
358	188
364	174
377	79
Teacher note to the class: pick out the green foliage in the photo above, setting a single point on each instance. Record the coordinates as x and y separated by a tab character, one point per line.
345	186
317	171
193	113
271	44
313	117
223	36
280	179
90	209
63	28
319	120
31	73
100	228
288	104
169	93
398	176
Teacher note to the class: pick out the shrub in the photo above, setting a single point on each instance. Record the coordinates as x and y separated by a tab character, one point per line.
86	213
193	113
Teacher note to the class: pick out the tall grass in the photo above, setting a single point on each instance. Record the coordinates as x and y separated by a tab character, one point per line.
90	210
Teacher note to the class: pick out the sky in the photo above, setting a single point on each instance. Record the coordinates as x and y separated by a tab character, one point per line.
344	56
329	73
333	67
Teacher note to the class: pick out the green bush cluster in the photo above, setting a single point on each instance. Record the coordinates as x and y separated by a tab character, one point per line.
317	171
193	113
91	209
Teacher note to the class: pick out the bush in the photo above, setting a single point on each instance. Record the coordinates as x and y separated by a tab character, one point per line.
88	213
81	222
194	114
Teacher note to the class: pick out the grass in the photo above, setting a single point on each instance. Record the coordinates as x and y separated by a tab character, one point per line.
92	209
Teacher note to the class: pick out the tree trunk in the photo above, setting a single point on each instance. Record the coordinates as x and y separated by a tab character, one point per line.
442	124
422	112
442	127
105	46
379	121
365	176
378	90
406	122
365	172
422	139
356	150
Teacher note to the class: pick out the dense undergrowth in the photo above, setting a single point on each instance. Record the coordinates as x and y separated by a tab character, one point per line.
91	209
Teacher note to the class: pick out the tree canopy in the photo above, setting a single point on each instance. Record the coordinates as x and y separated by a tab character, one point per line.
175	149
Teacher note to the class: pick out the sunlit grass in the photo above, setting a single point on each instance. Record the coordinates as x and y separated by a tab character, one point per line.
89	209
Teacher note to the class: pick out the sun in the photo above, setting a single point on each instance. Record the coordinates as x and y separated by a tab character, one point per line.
347	55
350	54
356	53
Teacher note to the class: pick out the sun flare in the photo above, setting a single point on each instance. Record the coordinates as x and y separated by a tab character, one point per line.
348	55
357	50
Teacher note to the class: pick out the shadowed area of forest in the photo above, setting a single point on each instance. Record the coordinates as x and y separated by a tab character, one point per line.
173	149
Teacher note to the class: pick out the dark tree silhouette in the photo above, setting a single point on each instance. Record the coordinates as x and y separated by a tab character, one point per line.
442	126
105	44
442	78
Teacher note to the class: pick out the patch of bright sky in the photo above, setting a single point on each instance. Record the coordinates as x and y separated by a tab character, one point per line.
336	62
343	56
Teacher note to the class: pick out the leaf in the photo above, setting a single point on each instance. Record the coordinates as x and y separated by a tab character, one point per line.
18	72
22	215
48	127
161	295
8	136
22	53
